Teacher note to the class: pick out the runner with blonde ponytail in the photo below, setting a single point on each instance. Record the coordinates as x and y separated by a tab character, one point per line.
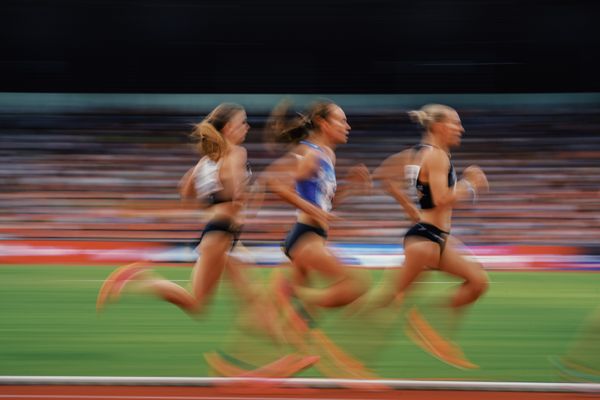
218	183
428	170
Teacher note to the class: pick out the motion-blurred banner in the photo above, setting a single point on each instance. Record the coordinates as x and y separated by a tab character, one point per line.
52	252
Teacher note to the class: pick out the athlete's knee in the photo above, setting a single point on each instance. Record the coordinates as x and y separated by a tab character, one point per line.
196	305
359	288
479	283
350	288
361	281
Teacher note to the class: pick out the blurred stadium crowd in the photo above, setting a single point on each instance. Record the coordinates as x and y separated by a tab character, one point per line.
114	177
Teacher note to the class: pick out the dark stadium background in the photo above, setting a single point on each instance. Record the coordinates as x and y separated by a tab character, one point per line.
335	46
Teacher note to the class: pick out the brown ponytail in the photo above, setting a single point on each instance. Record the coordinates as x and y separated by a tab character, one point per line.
284	125
319	111
288	126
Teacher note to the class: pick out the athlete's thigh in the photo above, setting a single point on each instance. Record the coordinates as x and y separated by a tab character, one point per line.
456	261
459	246
213	253
312	254
215	242
420	253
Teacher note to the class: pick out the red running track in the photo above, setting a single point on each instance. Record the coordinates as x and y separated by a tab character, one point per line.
259	392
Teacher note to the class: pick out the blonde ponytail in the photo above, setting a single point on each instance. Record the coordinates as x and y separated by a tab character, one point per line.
210	141
420	117
430	114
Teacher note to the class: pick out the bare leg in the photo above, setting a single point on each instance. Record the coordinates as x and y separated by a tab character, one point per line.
209	267
419	329
475	281
243	284
205	275
311	254
418	254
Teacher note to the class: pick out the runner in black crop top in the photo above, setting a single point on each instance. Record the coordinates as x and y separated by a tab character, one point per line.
423	189
428	243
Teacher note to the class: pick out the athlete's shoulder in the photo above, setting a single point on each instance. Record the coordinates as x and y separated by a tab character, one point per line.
404	155
239	151
436	158
302	149
432	152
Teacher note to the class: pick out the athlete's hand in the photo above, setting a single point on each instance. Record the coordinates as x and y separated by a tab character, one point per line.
186	187
413	213
320	215
359	178
477	178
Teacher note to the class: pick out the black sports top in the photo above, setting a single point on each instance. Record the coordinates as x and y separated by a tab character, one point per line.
423	189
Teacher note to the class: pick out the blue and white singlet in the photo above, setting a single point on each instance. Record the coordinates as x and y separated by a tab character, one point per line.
319	189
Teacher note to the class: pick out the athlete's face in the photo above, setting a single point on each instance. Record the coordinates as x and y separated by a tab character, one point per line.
236	128
336	126
451	129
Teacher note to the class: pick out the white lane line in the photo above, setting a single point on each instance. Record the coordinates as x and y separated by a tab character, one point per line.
494	386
